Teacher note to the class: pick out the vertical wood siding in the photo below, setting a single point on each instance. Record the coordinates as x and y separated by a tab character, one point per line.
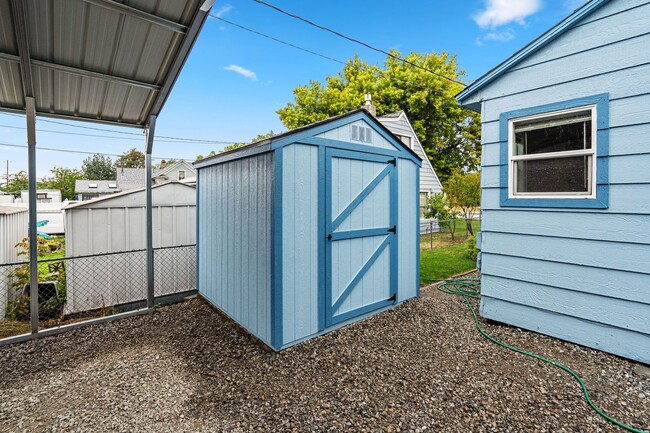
407	232
235	202
580	275
300	221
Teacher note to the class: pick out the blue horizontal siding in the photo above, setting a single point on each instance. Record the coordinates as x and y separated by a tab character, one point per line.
622	256
629	344
614	312
631	286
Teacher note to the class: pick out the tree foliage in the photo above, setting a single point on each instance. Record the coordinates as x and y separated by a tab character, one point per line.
17	182
449	133
62	179
131	159
438	207
234	146
98	167
463	190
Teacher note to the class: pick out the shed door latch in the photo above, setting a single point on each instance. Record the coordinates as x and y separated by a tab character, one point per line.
393	229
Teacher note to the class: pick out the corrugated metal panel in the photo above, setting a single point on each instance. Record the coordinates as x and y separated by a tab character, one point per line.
114	48
235	226
13	229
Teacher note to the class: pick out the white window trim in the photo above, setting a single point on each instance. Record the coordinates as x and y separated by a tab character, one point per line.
587	152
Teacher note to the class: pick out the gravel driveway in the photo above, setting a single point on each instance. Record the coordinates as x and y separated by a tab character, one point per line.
420	367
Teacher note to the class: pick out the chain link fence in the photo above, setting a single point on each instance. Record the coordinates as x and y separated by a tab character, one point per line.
436	234
75	289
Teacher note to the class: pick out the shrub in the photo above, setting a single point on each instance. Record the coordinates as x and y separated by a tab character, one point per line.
470	248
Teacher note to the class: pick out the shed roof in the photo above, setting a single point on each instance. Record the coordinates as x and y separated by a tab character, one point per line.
531	48
6	210
267	141
122	194
100	60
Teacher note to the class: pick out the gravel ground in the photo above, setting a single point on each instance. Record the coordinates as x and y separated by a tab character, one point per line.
419	367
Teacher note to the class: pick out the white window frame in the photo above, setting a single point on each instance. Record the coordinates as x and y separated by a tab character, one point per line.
512	159
179	174
401	136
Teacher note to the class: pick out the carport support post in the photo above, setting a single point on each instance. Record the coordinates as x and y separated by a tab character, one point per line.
30	111
149	147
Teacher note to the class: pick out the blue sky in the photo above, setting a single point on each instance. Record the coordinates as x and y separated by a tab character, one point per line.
234	81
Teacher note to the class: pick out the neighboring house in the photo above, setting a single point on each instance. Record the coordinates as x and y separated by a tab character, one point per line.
116	223
48	208
399	124
565	199
88	189
13	229
133	178
308	230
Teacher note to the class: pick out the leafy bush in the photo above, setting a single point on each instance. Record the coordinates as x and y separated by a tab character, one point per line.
470	248
18	309
438	207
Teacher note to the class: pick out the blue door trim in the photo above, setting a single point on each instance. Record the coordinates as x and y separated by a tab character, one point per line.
389	242
351	285
321	239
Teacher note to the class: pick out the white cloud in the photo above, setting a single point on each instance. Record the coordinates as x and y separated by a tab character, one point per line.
241	71
503	36
500	12
223	10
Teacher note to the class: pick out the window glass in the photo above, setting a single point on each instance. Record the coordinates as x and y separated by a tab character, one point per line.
554	175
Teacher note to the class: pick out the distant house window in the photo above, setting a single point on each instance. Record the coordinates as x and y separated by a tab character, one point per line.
405	139
553	154
92	185
181	174
360	133
41	196
424	196
112	185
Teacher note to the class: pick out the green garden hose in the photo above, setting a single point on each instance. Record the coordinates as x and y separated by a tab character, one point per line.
470	288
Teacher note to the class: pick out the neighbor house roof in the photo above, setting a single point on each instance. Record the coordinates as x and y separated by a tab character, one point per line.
527	51
96	186
100	60
131	178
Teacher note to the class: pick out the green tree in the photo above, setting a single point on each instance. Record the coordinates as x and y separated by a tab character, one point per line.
98	167
17	182
200	157
438	207
463	190
449	133
131	159
62	179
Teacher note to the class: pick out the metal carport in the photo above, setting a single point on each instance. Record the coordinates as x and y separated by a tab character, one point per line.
106	61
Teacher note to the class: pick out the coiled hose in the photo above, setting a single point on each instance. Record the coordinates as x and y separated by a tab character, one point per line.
470	288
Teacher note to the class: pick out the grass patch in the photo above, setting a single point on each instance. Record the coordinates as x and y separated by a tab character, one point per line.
441	263
9	328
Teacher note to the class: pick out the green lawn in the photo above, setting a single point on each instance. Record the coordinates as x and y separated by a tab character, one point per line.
441	256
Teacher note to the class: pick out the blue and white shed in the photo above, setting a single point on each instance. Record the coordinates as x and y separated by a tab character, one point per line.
309	230
566	181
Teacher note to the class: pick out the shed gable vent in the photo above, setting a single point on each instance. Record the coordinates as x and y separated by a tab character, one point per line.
360	133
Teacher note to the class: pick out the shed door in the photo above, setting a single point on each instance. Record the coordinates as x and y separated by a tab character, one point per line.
361	245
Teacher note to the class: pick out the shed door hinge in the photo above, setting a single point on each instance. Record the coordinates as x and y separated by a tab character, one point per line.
393	161
393	297
393	230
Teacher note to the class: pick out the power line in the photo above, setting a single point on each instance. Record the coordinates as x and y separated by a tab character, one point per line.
117	138
278	40
54	149
264	35
357	41
162	138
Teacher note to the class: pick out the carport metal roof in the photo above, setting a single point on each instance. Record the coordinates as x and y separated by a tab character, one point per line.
110	61
100	60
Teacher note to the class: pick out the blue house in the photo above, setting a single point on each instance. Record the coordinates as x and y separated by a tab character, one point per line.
307	231
566	181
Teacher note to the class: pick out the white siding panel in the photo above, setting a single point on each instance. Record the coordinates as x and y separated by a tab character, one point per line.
300	222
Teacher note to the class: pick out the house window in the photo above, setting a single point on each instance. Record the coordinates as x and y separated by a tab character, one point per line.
92	185
424	196
405	139
181	174
553	155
